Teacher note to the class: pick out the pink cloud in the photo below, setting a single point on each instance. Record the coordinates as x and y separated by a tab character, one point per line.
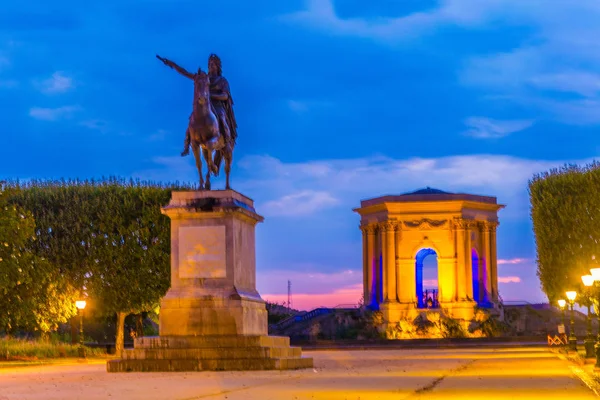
512	261
509	279
348	295
430	283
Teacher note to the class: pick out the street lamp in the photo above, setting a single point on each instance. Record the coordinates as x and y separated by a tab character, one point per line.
596	274
562	303
588	282
80	304
572	338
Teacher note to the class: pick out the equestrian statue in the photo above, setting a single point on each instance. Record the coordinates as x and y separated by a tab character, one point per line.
211	127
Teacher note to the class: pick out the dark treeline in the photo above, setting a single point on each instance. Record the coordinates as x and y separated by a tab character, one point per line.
565	210
105	240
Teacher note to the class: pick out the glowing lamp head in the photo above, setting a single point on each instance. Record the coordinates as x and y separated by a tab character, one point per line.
571	295
595	273
588	280
80	304
562	303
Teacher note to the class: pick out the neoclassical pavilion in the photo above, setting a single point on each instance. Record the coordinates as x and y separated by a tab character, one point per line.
400	231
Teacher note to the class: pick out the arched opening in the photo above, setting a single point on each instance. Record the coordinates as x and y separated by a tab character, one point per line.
377	283
476	274
426	268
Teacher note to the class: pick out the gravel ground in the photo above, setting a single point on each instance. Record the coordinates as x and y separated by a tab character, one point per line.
485	373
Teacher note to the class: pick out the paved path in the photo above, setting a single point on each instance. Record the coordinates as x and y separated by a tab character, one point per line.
506	373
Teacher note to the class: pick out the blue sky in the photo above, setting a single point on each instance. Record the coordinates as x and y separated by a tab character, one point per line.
336	101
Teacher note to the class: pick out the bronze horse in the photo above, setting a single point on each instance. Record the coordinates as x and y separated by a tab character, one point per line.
206	133
205	129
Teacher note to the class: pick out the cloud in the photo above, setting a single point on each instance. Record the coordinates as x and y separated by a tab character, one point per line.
311	287
299	204
303	106
553	70
308	278
321	14
95	124
348	296
57	83
53	114
337	185
307	187
584	83
430	283
486	128
513	261
509	279
297	106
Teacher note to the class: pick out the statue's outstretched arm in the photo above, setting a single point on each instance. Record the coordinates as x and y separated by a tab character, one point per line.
176	67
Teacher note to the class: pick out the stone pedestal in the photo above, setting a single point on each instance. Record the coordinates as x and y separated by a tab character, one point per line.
212	317
464	310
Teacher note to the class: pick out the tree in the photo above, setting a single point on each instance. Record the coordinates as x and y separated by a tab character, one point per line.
131	253
565	210
32	296
108	237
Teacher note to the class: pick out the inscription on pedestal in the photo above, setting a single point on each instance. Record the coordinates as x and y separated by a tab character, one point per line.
202	252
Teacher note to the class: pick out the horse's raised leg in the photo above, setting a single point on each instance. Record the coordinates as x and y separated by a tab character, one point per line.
209	164
196	150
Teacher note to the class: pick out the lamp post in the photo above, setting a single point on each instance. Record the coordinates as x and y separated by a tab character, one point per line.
596	275
572	338
562	303
80	304
589	342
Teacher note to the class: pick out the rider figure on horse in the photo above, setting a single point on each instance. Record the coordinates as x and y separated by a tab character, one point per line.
220	97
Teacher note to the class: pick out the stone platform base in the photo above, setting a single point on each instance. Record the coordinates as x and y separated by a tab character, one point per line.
210	353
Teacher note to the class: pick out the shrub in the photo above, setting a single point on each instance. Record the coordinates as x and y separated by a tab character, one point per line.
18	349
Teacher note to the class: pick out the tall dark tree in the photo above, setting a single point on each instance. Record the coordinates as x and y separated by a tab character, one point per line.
565	210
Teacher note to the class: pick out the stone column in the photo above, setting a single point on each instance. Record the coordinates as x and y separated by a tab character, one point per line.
461	290
481	273
487	258
390	262
447	279
383	266
365	266
371	276
494	262
468	271
379	282
397	260
406	277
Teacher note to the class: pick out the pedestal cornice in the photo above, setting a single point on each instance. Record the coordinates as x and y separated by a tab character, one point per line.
211	204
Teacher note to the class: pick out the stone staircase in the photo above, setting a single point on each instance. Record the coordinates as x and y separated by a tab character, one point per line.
210	353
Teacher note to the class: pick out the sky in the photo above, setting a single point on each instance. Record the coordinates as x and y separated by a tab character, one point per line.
336	101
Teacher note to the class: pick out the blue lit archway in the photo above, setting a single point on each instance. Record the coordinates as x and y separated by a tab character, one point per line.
476	278
479	274
422	296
